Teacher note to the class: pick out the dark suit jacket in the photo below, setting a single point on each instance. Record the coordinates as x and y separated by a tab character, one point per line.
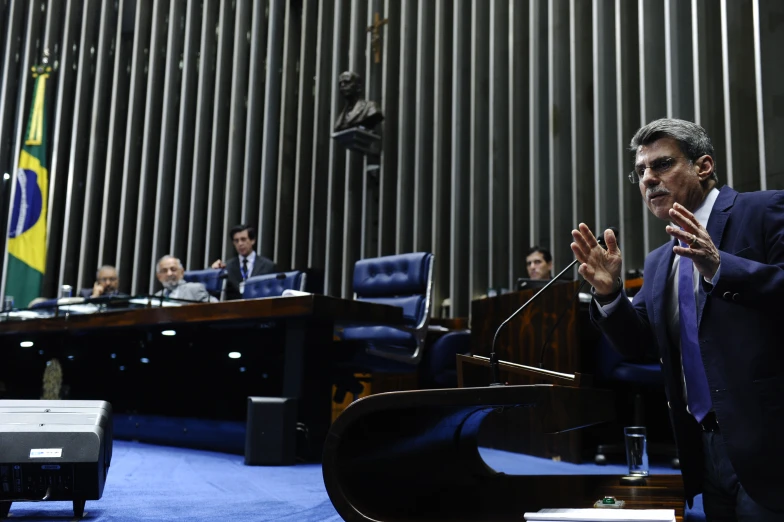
740	338
234	274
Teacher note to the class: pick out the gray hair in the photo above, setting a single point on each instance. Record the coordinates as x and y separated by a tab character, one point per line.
105	267
169	256
692	139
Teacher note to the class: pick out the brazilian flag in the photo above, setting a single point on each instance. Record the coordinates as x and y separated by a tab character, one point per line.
27	228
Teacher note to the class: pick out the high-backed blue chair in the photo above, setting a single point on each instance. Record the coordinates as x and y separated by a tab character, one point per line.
273	285
634	377
440	361
696	513
404	280
48	303
213	279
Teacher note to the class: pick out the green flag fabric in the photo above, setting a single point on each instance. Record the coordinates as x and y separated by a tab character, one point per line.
27	227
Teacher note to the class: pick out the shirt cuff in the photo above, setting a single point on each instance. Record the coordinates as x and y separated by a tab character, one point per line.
715	279
607	309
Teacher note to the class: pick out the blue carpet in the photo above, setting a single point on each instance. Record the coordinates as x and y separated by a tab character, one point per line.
516	464
148	482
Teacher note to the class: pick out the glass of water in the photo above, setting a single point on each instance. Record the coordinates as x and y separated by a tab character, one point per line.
637	450
8	303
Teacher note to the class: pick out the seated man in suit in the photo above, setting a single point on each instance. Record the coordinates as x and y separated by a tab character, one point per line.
107	283
170	273
246	264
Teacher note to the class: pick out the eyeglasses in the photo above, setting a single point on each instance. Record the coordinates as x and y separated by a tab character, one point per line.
107	279
658	166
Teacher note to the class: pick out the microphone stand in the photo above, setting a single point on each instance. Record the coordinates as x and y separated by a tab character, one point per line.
494	365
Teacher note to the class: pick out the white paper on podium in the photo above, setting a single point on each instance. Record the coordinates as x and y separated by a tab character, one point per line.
79	308
602	515
154	301
293	293
26	314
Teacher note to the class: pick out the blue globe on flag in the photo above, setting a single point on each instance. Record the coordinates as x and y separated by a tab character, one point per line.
28	203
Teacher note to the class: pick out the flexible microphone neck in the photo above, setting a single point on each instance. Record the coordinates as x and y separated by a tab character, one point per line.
494	364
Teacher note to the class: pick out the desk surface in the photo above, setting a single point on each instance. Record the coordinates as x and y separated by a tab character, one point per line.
342	311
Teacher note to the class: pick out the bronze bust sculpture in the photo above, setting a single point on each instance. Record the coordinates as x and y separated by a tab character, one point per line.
356	113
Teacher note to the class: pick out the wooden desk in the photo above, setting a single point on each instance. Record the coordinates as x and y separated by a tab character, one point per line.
342	312
279	347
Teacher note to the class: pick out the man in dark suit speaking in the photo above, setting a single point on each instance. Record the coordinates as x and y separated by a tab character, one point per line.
246	264
710	308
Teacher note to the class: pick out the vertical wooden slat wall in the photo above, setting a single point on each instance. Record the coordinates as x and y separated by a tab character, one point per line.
506	123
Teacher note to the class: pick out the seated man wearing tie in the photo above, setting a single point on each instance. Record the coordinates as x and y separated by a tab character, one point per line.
246	264
170	273
710	310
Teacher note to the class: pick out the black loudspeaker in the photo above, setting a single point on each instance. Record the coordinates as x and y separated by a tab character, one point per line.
54	450
271	434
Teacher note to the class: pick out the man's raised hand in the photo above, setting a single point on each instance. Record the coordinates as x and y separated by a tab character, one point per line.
600	267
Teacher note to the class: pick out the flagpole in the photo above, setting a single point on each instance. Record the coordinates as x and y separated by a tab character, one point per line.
18	140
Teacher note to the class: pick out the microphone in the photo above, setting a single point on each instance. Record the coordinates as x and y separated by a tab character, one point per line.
494	363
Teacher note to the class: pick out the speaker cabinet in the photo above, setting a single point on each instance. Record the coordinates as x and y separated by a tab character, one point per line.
271	435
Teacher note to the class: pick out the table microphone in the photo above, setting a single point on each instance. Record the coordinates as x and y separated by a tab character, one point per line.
494	364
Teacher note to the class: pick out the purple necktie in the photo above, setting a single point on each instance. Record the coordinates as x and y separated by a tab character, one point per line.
697	391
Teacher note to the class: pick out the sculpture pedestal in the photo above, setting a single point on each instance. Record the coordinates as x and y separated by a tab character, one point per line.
361	140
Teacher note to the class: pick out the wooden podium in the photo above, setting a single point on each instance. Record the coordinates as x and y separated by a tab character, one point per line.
522	339
554	321
414	456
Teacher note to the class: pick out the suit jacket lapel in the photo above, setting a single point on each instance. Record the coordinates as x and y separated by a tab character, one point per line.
716	225
258	266
720	214
233	267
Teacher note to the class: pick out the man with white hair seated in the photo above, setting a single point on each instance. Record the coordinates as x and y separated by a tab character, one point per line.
170	273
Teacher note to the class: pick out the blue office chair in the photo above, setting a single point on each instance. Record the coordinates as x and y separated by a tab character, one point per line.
213	279
48	303
440	363
404	280
273	285
635	377
696	513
